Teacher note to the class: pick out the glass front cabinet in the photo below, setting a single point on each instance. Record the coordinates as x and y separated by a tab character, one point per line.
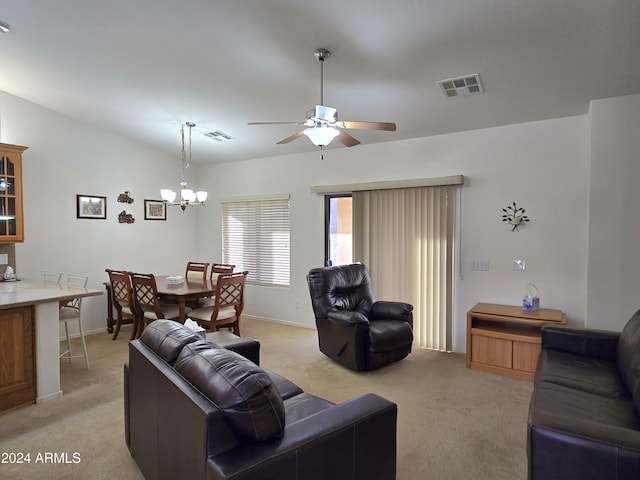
11	218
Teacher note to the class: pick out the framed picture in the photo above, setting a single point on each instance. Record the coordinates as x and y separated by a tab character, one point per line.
91	206
155	210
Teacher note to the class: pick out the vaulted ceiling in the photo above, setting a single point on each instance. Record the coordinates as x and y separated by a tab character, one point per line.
142	68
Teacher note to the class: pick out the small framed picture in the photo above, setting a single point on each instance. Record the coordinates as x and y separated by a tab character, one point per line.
91	206
155	210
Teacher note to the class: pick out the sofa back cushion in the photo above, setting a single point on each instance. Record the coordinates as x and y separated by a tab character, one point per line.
242	390
167	338
628	357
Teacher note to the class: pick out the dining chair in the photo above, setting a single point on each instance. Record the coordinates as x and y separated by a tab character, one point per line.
121	299
147	304
71	311
216	270
228	304
196	271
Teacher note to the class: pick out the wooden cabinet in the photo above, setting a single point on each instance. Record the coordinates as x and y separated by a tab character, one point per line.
17	377
11	217
505	339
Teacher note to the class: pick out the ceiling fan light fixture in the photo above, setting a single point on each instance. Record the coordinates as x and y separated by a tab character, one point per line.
321	136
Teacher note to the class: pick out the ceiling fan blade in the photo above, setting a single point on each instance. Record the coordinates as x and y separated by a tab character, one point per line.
274	123
291	138
347	140
390	127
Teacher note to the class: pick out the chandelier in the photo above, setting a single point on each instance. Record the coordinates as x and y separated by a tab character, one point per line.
187	196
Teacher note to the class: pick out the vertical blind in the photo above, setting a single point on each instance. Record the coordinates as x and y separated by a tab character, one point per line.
255	238
405	236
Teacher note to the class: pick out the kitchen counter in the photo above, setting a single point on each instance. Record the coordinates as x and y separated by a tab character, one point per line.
29	317
21	293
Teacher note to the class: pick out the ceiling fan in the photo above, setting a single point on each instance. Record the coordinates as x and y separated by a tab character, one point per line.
322	121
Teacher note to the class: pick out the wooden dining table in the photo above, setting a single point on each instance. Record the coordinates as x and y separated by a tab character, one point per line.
190	289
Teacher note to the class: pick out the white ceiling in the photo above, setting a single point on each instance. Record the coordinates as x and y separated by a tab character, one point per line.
143	67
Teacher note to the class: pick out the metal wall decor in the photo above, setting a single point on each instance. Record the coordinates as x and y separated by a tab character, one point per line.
124	217
125	197
514	216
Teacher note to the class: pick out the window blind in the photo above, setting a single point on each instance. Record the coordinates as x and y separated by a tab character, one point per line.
406	238
255	238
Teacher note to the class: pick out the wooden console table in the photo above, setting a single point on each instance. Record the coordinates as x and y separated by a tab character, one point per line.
505	339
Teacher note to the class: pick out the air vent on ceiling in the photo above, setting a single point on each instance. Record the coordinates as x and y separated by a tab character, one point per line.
218	136
461	86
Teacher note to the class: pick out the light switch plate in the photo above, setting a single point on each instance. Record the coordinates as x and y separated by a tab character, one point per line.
479	265
518	265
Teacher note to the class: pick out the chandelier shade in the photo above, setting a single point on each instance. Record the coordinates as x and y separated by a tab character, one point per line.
187	195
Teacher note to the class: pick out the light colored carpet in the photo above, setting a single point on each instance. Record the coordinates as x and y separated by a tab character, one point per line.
453	423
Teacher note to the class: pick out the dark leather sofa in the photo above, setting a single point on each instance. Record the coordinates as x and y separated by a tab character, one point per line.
584	415
195	410
354	329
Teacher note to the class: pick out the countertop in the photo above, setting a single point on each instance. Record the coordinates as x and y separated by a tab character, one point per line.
31	292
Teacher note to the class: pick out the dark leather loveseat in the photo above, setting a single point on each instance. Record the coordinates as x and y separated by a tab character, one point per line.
584	415
195	410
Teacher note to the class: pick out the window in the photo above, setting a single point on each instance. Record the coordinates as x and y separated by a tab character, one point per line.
255	238
338	238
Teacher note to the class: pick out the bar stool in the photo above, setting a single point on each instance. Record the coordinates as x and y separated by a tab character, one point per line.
71	312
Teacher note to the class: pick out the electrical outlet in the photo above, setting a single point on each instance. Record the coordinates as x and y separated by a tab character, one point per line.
479	265
518	265
4	258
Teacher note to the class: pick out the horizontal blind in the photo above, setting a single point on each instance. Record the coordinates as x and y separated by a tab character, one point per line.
255	238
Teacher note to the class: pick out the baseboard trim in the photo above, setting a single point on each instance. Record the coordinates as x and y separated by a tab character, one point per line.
283	322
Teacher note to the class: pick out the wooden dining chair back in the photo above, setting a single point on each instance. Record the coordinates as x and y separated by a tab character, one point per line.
71	311
121	299
147	303
216	270
220	268
196	271
228	304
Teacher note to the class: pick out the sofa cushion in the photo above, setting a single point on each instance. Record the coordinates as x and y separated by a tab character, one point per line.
286	388
628	356
167	338
580	372
577	406
242	390
302	406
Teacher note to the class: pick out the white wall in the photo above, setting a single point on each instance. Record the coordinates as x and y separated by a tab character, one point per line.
65	158
543	166
614	229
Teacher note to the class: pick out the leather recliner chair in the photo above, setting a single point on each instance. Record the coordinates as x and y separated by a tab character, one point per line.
354	329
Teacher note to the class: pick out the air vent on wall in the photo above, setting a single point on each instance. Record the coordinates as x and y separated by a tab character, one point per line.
461	86
218	136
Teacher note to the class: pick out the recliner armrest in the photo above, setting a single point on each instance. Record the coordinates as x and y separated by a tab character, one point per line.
599	344
392	311
348	316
